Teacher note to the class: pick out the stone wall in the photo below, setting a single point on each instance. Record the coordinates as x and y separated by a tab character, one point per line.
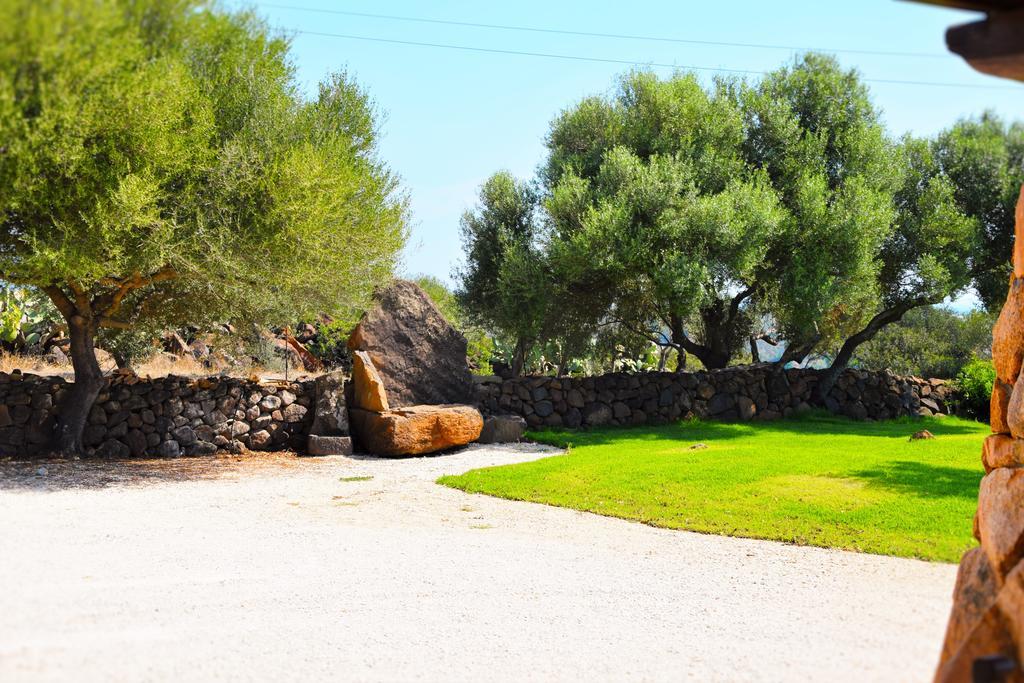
761	392
167	417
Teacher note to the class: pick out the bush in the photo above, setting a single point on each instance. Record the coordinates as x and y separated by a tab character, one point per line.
974	384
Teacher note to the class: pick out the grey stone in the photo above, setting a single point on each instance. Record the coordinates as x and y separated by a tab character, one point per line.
259	440
93	435
328	445
118	430
270	403
543	408
745	407
184	435
112	448
173	407
169	449
721	403
239	428
136	442
294	413
597	414
575	398
503	429
201	448
205	432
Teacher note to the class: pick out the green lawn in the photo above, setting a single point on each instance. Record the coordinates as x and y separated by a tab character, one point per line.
819	480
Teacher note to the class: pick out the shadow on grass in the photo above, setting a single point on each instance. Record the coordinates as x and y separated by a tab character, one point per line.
923	480
817	423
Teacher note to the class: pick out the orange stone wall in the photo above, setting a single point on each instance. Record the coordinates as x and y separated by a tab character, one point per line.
985	635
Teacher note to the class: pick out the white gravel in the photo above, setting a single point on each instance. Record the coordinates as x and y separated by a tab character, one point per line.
276	569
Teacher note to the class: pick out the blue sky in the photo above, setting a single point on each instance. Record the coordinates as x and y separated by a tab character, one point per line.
454	117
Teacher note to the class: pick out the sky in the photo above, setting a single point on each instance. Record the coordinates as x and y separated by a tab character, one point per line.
452	117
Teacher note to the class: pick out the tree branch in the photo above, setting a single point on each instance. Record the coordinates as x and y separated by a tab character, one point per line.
82	302
104	321
110	303
60	300
734	305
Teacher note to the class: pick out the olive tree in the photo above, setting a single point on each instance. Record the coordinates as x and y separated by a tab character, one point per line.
984	160
159	166
924	256
706	211
503	284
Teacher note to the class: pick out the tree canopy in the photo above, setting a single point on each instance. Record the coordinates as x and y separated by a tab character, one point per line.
707	217
159	165
984	160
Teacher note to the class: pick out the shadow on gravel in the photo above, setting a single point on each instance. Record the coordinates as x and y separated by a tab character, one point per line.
57	475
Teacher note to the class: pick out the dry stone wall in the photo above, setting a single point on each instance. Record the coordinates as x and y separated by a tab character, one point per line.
762	392
165	417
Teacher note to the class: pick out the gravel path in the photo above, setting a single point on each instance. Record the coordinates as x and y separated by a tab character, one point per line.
276	568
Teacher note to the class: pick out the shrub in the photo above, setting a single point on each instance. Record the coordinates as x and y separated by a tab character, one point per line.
974	384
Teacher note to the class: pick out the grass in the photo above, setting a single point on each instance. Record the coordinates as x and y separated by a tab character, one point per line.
818	480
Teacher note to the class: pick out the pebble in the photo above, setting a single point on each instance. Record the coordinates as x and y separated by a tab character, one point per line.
42	472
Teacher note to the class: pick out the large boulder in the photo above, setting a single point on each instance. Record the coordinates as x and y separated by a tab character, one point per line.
416	430
419	355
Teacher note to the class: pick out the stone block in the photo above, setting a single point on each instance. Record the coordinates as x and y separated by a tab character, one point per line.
330	416
328	445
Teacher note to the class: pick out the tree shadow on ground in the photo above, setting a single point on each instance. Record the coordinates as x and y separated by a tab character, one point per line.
56	475
922	480
816	424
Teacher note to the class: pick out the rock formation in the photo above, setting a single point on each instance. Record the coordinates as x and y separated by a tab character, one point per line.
421	358
985	635
413	430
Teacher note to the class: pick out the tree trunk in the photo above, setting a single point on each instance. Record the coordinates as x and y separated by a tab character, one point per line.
711	358
519	358
827	377
88	382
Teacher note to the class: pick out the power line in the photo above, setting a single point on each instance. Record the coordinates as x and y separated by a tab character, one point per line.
604	60
617	36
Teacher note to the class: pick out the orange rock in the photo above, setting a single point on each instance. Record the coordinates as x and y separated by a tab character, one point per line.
1002	450
990	636
1008	333
1011	603
1018	236
368	387
999	406
417	429
974	594
1001	519
1015	409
